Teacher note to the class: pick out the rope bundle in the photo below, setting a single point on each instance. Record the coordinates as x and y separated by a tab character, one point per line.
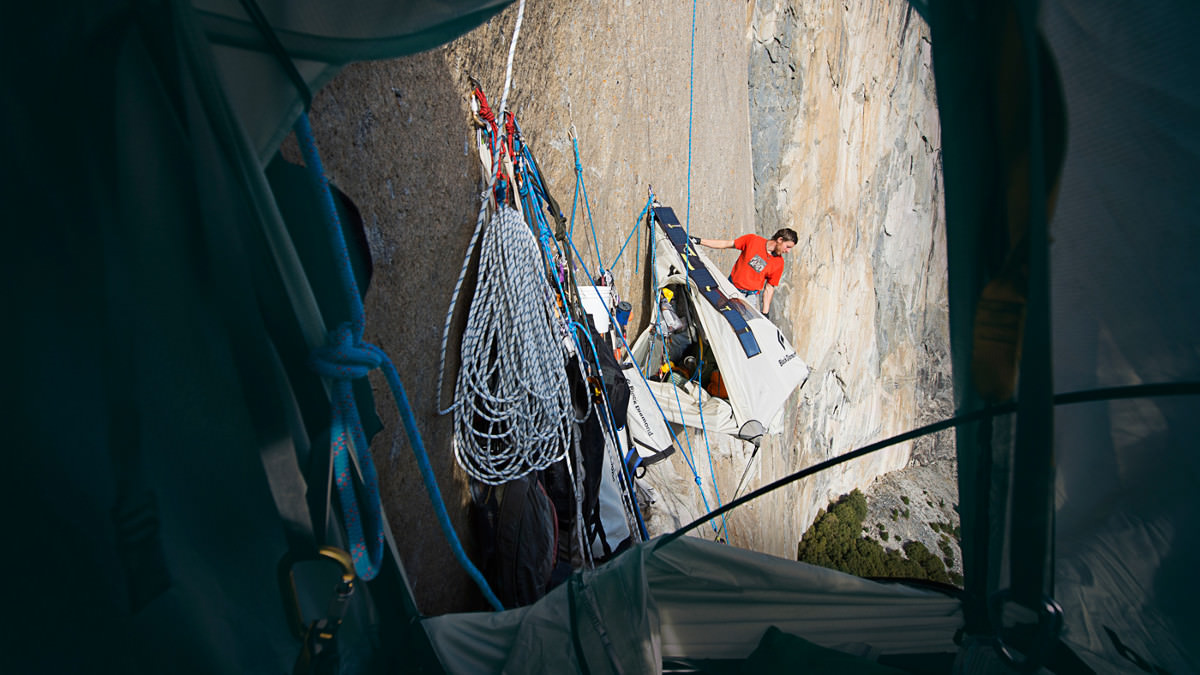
512	413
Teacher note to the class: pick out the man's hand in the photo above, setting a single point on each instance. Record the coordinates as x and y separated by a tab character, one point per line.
694	240
766	314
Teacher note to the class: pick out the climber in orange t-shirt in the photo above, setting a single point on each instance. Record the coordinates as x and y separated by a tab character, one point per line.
759	268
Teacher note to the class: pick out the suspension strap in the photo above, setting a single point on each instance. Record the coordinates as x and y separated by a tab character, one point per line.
1031	525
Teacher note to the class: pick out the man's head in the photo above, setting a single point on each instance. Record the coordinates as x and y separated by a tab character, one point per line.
784	240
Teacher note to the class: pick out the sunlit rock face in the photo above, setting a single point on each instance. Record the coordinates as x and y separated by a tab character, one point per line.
845	145
745	116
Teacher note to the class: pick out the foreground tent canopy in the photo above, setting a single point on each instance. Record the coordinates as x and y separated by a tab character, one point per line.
169	290
161	309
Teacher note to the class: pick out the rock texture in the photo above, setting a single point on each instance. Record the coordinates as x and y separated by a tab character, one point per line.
855	169
819	116
918	503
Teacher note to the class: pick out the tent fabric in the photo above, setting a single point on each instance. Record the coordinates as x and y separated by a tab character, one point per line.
689	404
321	37
158	296
648	431
1122	289
696	599
1124	296
758	386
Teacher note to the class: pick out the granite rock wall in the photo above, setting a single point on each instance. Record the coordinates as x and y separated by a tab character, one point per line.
818	116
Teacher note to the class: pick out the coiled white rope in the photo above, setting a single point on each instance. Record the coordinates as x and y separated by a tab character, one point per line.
512	409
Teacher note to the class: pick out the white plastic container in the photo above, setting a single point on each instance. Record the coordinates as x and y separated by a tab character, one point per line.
595	301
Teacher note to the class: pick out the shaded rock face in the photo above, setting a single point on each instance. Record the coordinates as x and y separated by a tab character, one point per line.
817	116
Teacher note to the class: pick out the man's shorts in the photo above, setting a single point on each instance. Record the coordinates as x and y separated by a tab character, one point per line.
753	298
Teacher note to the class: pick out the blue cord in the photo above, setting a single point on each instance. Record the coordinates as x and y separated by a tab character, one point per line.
581	186
691	98
636	227
691	465
343	360
704	429
530	168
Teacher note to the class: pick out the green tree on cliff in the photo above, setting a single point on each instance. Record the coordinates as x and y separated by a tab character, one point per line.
834	540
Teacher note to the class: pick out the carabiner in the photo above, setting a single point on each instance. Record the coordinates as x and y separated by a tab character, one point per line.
291	597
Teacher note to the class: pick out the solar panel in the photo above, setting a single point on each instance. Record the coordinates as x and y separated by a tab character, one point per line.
735	310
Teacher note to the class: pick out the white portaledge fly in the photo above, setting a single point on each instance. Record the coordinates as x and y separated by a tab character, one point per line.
757	386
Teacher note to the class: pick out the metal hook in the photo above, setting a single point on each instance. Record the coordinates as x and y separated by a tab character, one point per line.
291	597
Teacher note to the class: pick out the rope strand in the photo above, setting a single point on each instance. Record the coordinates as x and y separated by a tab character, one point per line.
343	360
513	410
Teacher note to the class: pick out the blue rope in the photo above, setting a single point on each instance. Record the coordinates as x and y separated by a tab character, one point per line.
529	168
636	227
687	439
691	99
345	359
526	167
678	404
581	186
695	475
704	429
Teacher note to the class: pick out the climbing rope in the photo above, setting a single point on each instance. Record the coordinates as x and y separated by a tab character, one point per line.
687	453
691	106
637	255
691	465
534	185
512	413
688	231
581	188
343	360
512	50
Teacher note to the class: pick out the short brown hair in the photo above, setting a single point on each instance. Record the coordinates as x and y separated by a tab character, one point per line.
787	234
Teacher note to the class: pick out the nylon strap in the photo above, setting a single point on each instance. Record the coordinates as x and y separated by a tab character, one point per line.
1032	524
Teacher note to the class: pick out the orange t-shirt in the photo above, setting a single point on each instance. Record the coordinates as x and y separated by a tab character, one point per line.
755	265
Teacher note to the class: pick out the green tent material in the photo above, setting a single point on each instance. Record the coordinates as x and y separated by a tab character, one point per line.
161	312
157	303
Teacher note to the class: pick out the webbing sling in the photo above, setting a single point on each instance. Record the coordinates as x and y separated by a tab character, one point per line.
1031	526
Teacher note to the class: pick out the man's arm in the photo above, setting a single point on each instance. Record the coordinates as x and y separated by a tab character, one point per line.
768	293
713	243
